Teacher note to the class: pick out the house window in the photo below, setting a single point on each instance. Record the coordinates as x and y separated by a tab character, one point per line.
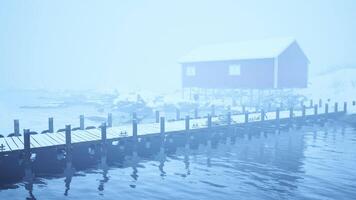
190	71
235	70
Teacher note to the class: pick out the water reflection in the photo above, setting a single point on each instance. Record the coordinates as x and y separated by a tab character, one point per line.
262	163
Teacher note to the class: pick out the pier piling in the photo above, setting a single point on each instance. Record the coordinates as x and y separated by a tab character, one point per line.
336	107
50	125
81	122
177	114
16	127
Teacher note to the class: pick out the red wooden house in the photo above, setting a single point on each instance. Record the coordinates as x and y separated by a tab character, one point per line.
261	64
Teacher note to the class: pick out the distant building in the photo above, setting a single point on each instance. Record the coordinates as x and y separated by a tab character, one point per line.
261	64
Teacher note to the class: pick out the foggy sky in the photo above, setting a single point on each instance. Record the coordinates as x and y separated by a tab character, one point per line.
130	44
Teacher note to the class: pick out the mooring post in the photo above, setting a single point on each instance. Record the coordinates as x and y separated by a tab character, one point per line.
243	109
326	108
16	127
290	112
68	133
177	114
228	118
246	117
157	116
315	109
50	125
187	126
162	125
277	114
213	110
345	107
134	131
311	103
320	103
209	121
27	143
109	120
303	111
336	107
103	133
81	120
263	115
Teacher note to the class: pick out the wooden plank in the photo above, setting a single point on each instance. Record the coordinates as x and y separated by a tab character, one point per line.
3	145
10	143
59	136
41	140
51	140
57	140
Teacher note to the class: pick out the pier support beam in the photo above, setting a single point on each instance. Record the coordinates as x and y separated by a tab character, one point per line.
303	111
315	109
187	126
345	107
209	121
162	130
27	144
50	125
81	122
263	114
336	107
68	134
16	127
246	117
326	108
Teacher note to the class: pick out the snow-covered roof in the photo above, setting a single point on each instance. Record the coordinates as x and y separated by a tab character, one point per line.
268	48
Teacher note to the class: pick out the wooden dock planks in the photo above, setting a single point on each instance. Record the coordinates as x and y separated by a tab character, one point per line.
15	143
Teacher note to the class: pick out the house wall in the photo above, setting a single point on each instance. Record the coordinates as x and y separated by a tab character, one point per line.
255	74
292	68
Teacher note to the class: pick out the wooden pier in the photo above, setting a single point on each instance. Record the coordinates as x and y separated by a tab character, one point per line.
50	151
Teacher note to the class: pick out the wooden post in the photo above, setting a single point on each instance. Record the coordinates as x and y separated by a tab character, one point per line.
27	143
109	119
213	110
209	121
336	107
16	127
246	117
157	116
315	109
81	124
291	112
243	109
345	107
320	103
303	111
162	125
311	103
326	108
103	133
196	113
187	118
50	125
263	115
134	132
228	118
177	114
68	134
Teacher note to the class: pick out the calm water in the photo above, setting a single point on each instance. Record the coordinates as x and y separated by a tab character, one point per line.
312	163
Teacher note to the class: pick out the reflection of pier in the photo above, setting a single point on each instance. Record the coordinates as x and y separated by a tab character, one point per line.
49	152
